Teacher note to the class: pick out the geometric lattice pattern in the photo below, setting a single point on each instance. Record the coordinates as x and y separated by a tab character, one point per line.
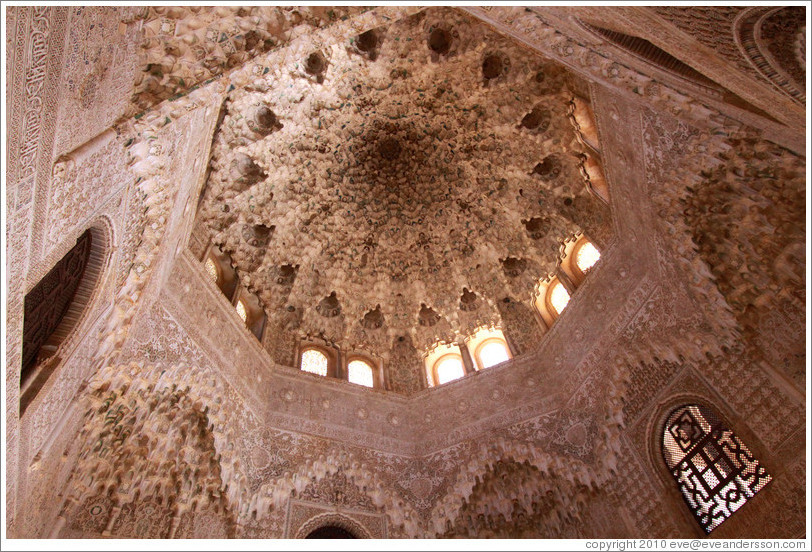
715	471
315	362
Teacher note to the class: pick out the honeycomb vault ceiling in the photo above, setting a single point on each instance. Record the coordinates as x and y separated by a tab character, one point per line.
401	182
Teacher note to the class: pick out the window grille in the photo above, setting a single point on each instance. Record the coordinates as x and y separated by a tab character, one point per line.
315	362
714	470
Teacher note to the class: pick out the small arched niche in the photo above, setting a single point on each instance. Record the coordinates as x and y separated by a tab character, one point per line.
57	305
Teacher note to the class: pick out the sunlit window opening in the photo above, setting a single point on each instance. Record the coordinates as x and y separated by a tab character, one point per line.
559	297
315	362
241	311
360	372
713	468
211	268
587	256
493	353
449	369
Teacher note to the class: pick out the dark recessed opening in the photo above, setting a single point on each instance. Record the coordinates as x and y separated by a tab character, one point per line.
315	64
257	235
440	41
245	171
389	148
330	532
548	168
48	301
492	67
52	310
538	118
265	118
367	41
537	227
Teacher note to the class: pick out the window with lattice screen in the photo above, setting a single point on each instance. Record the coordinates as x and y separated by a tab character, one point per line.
315	362
714	469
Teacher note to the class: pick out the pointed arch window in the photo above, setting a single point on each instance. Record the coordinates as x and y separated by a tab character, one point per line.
714	469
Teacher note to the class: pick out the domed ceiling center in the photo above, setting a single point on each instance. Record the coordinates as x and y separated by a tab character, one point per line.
395	168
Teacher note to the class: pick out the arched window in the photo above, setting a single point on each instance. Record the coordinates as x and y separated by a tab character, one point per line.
577	257
558	296
444	363
241	311
250	310
56	306
550	298
586	255
360	372
448	368
713	468
218	268
212	271
315	362
491	353
488	346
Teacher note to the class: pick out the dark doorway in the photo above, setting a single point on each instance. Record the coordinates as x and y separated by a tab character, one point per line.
330	532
